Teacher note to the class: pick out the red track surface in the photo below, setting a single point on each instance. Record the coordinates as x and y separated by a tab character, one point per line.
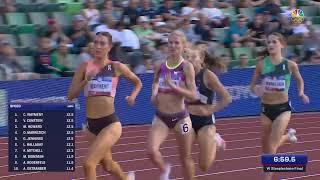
241	159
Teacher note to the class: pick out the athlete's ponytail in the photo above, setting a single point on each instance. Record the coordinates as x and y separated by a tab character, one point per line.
213	63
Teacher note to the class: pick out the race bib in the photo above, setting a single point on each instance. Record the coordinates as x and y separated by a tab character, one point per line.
274	84
163	84
100	85
184	128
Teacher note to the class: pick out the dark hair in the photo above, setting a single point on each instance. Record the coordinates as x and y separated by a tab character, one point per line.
263	52
105	34
211	61
280	37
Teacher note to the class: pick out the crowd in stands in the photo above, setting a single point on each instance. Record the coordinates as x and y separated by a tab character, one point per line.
234	30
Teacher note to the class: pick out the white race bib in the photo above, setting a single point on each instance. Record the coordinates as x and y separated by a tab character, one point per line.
100	85
163	84
271	84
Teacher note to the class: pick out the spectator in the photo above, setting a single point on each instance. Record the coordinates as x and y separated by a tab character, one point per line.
243	61
299	33
109	25
188	29
224	3
226	60
313	2
108	10
256	30
312	41
147	10
169	12
272	6
8	59
128	39
8	7
203	29
61	60
79	34
55	33
91	14
215	15
160	54
130	14
146	67
191	11
42	57
274	24
162	29
144	31
292	4
312	57
248	3
294	57
86	55
239	34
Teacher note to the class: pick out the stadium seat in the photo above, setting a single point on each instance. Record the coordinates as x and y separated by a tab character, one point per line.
43	1
23	1
258	49
39	18
220	34
26	29
74	62
32	7
53	7
220	51
27	40
309	10
316	26
1	19
63	18
73	8
231	12
315	20
16	18
7	29
290	50
12	39
248	12
242	50
23	51
64	1
26	62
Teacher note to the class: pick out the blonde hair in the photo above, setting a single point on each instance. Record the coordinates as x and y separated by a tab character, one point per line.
181	36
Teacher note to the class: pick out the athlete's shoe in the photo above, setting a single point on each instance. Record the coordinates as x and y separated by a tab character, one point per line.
166	173
221	143
292	135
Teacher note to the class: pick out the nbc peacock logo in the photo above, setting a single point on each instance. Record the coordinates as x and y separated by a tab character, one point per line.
297	16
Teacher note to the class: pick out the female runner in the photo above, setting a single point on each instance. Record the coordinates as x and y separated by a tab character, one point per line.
276	72
173	82
202	110
99	78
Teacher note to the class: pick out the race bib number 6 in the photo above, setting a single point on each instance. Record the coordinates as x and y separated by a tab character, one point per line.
185	128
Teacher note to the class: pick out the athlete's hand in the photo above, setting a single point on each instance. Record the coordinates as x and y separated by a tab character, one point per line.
258	90
154	100
131	100
305	99
89	76
169	81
